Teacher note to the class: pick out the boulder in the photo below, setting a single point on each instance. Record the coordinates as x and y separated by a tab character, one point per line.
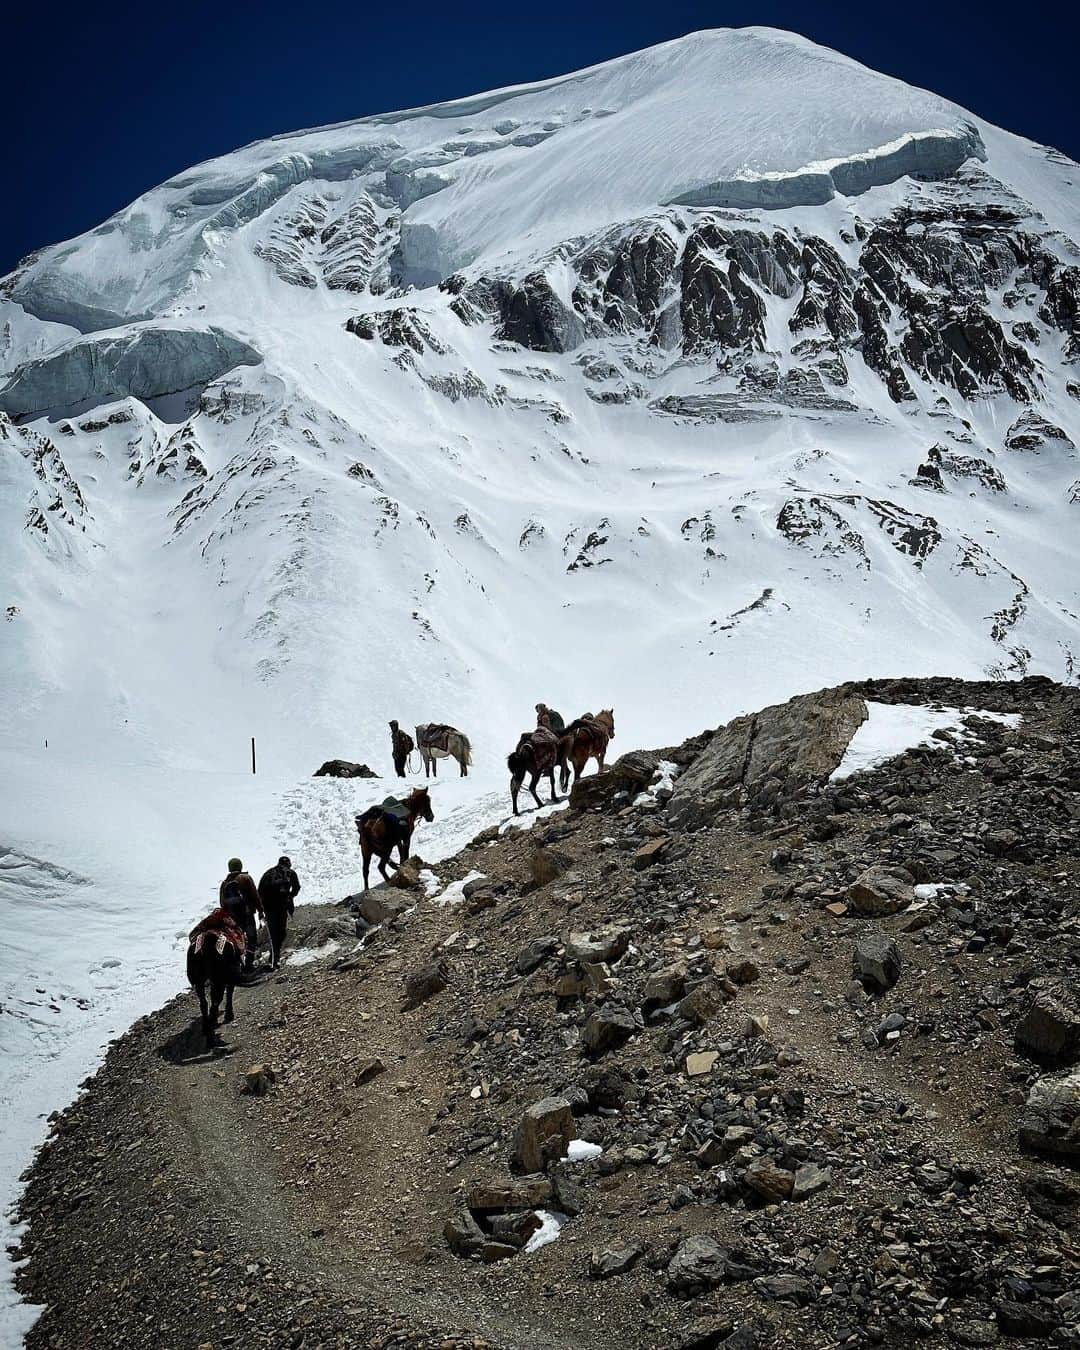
769	1182
605	944
650	853
503	1195
663	988
608	1028
424	982
367	1070
703	1001
543	1135
1050	1027
407	876
879	890
463	1234
875	962
1050	1119
630	774
344	768
532	956
768	756
698	1264
809	1180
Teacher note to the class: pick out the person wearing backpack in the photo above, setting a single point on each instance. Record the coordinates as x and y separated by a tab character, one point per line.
239	896
278	888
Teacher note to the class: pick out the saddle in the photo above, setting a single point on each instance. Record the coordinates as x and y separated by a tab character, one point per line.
436	736
221	926
544	745
587	723
392	810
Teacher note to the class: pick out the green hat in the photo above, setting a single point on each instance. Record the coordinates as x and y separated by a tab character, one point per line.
235	865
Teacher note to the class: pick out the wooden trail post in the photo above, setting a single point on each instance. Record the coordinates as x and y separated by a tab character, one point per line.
253	754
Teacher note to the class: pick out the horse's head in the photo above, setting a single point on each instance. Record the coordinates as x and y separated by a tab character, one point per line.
606	717
419	804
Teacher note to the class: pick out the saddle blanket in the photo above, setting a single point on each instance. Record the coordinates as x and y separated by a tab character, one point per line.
436	736
221	927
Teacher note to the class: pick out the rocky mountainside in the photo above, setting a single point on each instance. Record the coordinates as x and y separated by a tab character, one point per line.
766	1042
731	342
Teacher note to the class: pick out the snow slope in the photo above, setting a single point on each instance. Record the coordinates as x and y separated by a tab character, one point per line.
682	384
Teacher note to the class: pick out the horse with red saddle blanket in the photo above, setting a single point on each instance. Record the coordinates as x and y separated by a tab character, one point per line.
215	957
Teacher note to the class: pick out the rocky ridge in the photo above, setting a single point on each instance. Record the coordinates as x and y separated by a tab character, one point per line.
822	1036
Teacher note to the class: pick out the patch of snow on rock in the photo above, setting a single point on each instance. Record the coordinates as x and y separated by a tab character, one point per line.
891	729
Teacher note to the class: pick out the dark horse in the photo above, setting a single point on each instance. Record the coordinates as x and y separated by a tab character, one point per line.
215	957
383	829
536	754
585	738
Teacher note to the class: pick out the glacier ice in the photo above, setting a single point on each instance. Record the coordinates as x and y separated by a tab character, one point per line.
143	362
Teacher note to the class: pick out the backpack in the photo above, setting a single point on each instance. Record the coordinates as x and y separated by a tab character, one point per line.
232	897
279	884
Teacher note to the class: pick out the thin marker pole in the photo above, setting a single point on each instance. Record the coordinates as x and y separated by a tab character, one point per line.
253	754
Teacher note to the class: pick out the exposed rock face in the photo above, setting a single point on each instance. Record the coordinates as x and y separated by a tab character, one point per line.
768	756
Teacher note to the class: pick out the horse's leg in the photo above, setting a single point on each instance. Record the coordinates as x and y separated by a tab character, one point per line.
229	985
551	779
204	1010
515	786
383	860
532	787
365	849
405	844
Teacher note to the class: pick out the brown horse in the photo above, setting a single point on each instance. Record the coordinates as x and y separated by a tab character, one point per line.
384	828
215	956
585	738
536	754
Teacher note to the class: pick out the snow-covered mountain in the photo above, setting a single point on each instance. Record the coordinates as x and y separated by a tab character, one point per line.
726	364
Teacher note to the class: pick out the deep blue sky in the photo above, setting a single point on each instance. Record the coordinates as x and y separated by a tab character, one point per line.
108	101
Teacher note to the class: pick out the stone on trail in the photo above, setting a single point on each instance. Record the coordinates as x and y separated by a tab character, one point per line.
703	1001
650	853
369	1069
875	962
543	1136
377	907
1050	1119
615	1260
663	988
532	956
407	876
424	982
701	1062
258	1080
878	890
809	1180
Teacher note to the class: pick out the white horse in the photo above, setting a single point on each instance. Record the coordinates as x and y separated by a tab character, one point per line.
436	742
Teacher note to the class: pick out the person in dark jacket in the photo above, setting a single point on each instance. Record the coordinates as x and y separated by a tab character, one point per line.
548	717
278	888
239	895
402	745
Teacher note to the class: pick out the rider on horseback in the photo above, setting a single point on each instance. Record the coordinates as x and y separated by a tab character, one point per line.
548	717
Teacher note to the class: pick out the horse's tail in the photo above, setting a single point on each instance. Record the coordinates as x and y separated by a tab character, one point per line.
466	748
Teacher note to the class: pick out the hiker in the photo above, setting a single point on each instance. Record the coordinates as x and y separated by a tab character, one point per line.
402	745
239	895
548	717
278	888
